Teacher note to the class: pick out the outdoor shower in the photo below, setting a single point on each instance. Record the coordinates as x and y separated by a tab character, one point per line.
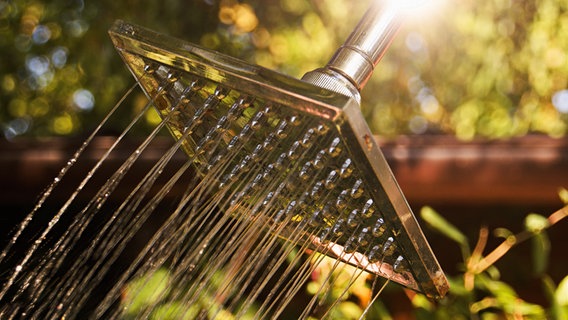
280	173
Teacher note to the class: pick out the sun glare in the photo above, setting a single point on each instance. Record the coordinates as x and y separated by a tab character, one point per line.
416	8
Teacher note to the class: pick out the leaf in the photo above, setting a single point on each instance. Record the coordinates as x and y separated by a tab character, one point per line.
556	309
436	221
379	311
458	288
561	293
508	299
540	252
493	272
146	291
499	289
350	310
563	193
420	301
536	223
176	311
540	244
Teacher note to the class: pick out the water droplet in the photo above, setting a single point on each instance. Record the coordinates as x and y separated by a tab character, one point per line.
368	209
269	142
258	121
317	219
331	180
353	219
322	129
269	172
246	101
341	201
379	228
363	238
279	216
317	190
172	77
281	130
291	208
281	162
256	155
150	68
357	190
389	247
258	180
307	140
295	121
324	234
221	92
374	254
319	160
328	212
398	265
295	151
346	168
244	165
234	112
246	131
305	201
334	149
350	246
268	199
221	124
307	171
339	228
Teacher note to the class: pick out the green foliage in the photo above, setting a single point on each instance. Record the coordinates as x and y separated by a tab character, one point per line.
442	225
471	68
150	295
535	224
481	294
329	282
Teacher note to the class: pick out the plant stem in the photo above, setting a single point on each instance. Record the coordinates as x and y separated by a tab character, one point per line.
513	240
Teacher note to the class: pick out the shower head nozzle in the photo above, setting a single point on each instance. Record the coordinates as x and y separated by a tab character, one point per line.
296	157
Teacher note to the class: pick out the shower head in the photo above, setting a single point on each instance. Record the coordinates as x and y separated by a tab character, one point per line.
294	155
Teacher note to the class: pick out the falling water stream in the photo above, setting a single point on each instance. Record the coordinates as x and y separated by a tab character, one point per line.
231	242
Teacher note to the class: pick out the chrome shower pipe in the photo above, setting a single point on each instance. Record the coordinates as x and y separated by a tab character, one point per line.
354	62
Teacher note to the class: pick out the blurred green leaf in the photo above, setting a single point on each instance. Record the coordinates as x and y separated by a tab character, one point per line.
563	193
493	272
540	252
540	243
535	223
499	289
145	291
349	310
557	310
176	311
420	301
457	287
436	221
508	300
378	310
562	292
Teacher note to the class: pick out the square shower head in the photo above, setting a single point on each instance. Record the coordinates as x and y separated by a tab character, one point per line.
298	158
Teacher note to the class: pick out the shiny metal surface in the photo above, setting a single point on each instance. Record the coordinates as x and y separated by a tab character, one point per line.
356	59
288	98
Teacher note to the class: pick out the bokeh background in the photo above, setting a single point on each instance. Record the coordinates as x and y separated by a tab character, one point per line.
491	69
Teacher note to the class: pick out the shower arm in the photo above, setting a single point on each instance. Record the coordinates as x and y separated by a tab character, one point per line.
353	63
